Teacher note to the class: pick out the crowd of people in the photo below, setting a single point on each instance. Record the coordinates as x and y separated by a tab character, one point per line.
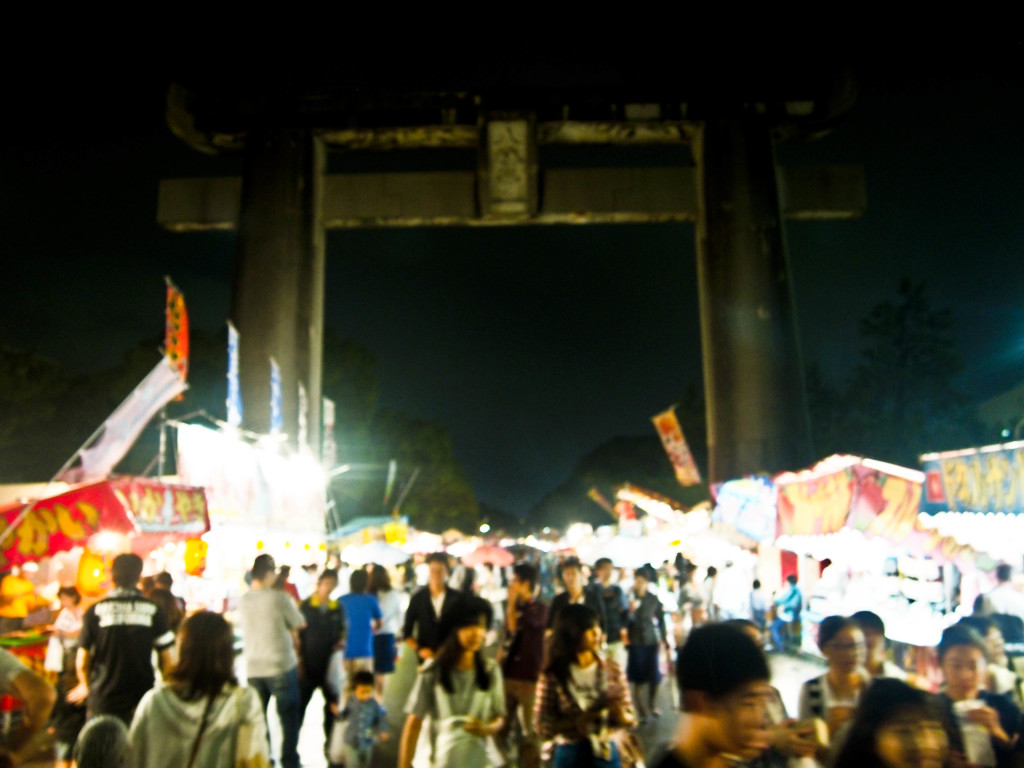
510	678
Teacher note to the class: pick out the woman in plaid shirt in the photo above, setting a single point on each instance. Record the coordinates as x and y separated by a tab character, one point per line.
581	696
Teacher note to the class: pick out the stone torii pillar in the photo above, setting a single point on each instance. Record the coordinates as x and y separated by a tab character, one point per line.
277	300
757	415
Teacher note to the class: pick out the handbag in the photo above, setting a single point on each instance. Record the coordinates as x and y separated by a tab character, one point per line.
246	756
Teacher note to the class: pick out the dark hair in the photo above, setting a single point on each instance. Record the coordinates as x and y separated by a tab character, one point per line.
169	605
831	626
570	562
357	581
1004	572
103	743
712	571
262	565
468	611
126	569
380	580
885	700
791	578
328	573
756	584
439	557
602	561
206	656
719	658
526	572
646	572
960	634
362	677
70	591
566	636
164	579
868	620
980	624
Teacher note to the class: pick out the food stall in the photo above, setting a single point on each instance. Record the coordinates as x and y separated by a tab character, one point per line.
65	538
859	518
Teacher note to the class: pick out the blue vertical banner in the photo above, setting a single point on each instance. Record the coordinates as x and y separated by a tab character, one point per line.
234	401
276	411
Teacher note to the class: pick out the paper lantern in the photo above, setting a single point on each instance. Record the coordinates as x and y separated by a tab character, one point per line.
195	557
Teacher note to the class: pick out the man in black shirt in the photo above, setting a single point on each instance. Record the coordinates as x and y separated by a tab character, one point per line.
427	606
323	634
723	676
119	635
576	591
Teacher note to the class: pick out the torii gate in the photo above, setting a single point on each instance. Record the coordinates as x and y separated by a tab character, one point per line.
282	205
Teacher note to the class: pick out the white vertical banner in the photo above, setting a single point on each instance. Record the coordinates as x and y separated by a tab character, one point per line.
328	444
234	399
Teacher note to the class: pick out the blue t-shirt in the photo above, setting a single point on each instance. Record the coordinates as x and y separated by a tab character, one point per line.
360	610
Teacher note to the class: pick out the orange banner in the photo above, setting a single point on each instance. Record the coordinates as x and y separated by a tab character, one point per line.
678	451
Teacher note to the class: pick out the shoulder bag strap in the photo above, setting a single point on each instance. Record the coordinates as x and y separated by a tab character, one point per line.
199	733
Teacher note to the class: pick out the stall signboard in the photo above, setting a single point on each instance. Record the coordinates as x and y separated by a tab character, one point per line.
817	500
875	498
748	505
161	508
249	484
988	480
60	523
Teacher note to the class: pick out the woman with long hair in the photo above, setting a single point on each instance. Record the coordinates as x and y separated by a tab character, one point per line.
390	602
581	696
896	726
461	690
194	719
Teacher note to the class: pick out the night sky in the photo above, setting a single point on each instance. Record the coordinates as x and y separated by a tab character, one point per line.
532	345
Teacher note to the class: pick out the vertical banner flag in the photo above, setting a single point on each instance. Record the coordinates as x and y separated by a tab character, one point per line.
675	446
176	333
329	448
276	410
234	401
123	426
598	498
303	421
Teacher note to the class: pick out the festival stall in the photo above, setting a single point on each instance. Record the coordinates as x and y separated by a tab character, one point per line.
68	538
859	518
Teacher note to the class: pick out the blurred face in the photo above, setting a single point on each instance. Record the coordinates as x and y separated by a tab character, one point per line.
845	651
364	692
963	666
995	645
591	640
910	741
604	573
471	638
521	589
640	584
324	587
874	643
737	724
437	575
573	580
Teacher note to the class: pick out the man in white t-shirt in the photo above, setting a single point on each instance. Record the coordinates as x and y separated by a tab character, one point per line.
270	623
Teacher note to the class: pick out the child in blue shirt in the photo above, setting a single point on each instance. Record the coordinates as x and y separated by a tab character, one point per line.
366	723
